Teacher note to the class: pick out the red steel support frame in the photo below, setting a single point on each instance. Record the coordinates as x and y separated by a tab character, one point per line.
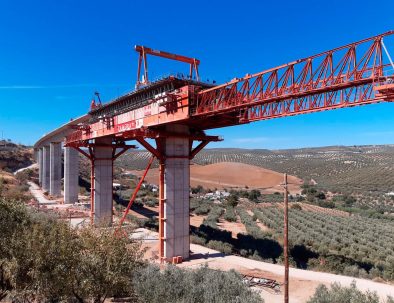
354	74
342	77
162	202
132	198
158	152
144	51
92	158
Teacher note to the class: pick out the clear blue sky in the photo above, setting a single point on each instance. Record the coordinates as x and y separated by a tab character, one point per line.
55	54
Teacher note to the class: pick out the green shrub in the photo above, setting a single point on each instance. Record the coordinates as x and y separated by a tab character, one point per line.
213	217
339	294
221	246
197	240
232	200
203	285
295	206
151	202
44	260
202	209
229	215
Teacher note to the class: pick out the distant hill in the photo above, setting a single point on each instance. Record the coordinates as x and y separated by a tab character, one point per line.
364	171
14	156
232	175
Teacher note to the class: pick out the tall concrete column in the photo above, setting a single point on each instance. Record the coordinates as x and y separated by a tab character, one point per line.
55	169
71	187
40	164
45	168
176	195
103	182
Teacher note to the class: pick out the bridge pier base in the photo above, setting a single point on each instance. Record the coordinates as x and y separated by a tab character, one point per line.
45	168
176	202
71	187
55	169
174	149
102	161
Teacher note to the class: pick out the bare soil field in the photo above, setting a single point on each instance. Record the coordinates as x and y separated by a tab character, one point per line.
8	177
232	175
195	220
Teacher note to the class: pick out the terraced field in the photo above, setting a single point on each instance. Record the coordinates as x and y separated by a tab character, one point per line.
367	243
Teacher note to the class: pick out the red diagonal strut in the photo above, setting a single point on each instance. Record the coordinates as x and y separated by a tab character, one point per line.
134	195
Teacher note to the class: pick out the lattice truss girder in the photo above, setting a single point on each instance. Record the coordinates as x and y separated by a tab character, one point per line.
345	76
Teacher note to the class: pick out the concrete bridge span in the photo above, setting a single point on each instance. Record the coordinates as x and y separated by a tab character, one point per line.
48	152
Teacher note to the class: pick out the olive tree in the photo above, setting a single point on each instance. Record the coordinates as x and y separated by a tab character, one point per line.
340	294
202	285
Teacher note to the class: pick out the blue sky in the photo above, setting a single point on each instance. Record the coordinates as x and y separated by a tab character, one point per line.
55	54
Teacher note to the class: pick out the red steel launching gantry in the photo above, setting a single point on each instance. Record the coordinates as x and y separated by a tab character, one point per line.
176	110
351	75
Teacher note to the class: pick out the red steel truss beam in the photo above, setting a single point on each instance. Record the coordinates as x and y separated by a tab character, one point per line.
341	77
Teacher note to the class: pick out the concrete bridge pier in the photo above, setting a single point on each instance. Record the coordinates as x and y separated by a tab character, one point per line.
176	198
45	168
40	164
174	149
55	169
71	170
102	171
174	193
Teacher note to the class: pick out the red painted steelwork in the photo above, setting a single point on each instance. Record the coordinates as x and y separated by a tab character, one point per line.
162	219
132	198
143	51
91	156
138	122
355	74
341	77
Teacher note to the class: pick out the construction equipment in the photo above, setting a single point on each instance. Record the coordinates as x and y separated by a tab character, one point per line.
253	281
175	112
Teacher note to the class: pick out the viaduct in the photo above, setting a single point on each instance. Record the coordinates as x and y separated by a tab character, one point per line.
169	117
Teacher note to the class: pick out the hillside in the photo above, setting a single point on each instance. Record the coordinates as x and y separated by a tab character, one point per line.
14	156
232	175
363	171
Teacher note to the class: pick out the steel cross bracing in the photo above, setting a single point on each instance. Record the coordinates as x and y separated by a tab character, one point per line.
342	77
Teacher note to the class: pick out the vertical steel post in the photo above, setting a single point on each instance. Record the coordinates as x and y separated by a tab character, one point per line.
285	241
92	191
161	212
